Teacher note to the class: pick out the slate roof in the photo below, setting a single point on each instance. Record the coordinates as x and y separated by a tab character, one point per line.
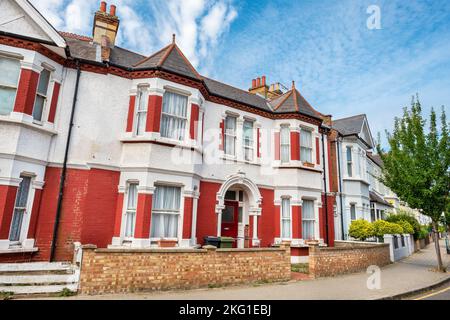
378	199
172	59
349	126
376	159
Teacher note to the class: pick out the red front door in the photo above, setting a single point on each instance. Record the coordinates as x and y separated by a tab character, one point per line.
230	219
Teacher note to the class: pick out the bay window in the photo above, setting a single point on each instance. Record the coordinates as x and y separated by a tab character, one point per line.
166	212
248	140
20	209
285	144
130	214
306	146
9	79
174	116
41	95
141	110
285	218
308	220
349	162
230	136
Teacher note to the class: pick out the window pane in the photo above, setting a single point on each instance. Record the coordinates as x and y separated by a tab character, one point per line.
308	209
7	98
132	197
285	144
306	139
349	154
167	198
230	195
44	79
164	226
349	170
142	99
172	127
286	218
228	214
305	155
248	133
230	125
9	72
38	108
286	207
16	225
353	212
175	104
22	193
130	224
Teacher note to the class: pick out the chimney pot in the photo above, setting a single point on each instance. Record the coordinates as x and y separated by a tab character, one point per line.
258	82
264	80
253	83
112	10
103	6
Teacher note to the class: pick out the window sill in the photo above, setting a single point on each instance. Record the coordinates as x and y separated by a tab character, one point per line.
19	250
236	160
297	165
28	122
355	179
162	141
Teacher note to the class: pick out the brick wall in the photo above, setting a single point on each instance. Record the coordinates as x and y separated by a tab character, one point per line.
106	271
346	257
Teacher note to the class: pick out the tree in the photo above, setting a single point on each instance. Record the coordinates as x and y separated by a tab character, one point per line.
417	166
404	216
361	230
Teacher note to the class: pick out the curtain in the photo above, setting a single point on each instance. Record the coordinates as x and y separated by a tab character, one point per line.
286	219
131	211
285	144
174	117
20	209
230	136
308	219
248	140
9	78
306	146
165	213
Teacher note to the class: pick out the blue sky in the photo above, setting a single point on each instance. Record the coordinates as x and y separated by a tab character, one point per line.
339	65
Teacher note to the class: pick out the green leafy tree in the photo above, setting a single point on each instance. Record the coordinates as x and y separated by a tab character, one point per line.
404	216
406	226
361	230
417	166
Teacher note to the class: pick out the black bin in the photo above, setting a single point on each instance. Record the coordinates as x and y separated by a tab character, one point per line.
212	241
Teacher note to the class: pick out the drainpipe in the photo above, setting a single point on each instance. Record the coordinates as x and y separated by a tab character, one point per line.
64	169
325	187
338	146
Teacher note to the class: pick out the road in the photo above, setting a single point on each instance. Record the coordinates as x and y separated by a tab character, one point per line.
441	293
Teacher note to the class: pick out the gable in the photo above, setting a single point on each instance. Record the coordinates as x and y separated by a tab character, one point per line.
21	18
366	135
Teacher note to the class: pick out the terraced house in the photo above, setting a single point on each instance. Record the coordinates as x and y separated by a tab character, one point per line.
104	146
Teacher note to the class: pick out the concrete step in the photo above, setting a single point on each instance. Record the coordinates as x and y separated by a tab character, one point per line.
35	266
38	279
28	290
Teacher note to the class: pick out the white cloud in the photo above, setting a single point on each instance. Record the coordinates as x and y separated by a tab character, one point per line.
147	26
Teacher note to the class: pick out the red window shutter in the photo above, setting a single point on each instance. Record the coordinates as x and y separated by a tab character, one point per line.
295	145
277	146
131	113
54	102
194	121
317	151
222	135
258	142
26	91
154	113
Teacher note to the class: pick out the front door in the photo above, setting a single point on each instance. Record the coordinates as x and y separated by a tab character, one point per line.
230	219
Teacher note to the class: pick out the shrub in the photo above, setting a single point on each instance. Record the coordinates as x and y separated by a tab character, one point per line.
361	230
381	227
423	232
406	226
404	216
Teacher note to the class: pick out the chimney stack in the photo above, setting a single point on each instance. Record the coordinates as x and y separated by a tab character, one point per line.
258	82
263	81
253	83
106	26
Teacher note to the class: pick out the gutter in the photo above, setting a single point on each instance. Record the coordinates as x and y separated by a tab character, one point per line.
64	169
340	186
325	187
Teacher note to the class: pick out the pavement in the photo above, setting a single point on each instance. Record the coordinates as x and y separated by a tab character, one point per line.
407	276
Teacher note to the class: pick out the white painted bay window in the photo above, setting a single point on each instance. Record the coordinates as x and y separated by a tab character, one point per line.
248	141
41	95
166	212
286	218
308	220
20	209
130	214
230	136
285	137
174	116
306	146
9	79
141	110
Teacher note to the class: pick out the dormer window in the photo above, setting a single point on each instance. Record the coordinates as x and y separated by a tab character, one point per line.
41	95
141	110
9	79
248	140
306	146
174	116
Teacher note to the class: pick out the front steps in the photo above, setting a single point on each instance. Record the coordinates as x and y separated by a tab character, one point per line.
38	278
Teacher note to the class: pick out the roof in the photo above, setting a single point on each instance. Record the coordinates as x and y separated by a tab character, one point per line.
376	159
349	126
291	102
378	199
171	58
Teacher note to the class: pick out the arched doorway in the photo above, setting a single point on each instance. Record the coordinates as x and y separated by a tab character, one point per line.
239	206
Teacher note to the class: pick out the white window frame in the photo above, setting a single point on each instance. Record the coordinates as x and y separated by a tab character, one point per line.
231	134
353	205
282	219
142	93
349	162
178	213
310	148
26	211
9	87
42	95
251	146
286	145
309	220
185	119
128	210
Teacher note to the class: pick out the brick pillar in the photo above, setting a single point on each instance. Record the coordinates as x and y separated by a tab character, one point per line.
130	118
154	113
195	112
26	91
34	214
187	219
318	151
295	145
296	222
277	145
143	218
7	202
119	215
277	222
222	135
54	102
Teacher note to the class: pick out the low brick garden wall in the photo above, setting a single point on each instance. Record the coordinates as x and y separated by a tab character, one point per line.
105	271
346	257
